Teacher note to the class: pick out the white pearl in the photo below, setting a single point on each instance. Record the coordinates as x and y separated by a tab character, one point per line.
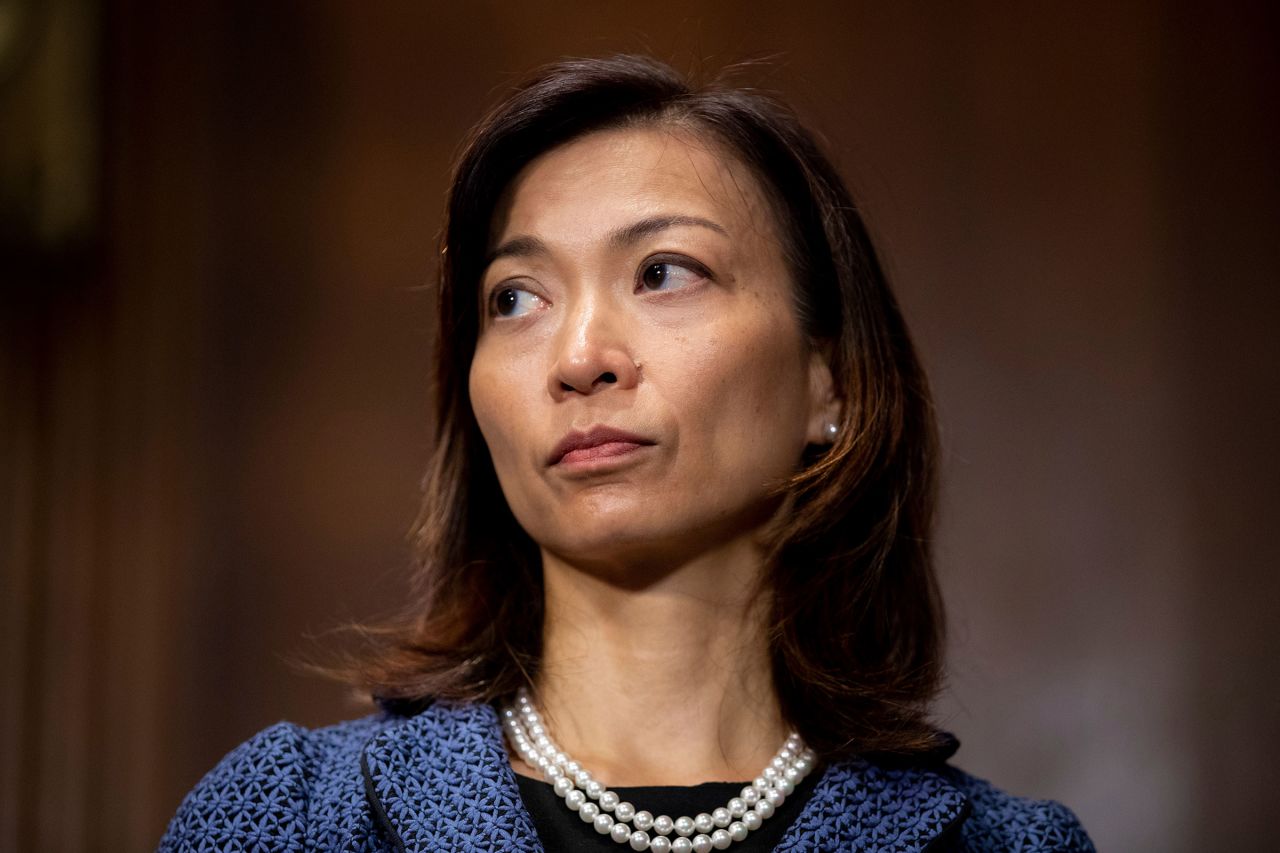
529	737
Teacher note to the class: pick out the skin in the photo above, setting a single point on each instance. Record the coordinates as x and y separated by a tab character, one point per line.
655	668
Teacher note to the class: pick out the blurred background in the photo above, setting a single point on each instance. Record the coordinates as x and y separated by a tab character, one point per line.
218	221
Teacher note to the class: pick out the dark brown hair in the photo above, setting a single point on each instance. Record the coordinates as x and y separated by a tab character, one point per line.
855	628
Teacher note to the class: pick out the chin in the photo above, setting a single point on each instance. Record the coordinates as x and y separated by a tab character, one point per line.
639	547
606	537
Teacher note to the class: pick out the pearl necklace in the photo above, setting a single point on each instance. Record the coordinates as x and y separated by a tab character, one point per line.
604	810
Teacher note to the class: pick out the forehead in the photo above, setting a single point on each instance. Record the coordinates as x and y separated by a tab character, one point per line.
584	189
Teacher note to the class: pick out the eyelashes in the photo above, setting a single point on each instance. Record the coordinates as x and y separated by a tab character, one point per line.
658	274
674	274
511	301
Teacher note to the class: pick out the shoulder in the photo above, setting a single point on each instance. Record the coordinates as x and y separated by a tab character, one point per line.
286	788
1002	821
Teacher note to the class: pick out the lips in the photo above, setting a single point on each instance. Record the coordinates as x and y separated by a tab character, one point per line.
596	443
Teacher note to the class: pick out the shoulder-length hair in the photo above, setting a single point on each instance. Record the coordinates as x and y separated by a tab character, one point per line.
855	624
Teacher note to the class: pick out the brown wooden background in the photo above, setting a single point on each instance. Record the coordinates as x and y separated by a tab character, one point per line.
213	403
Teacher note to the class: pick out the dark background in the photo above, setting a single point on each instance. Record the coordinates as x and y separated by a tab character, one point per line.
219	218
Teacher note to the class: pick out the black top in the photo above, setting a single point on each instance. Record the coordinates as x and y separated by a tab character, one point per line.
562	831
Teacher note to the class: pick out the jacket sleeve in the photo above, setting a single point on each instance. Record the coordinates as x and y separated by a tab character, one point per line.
254	799
1000	821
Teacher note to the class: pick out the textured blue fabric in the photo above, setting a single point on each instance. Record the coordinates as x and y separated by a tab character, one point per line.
440	781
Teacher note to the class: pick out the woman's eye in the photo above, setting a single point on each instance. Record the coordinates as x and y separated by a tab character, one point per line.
513	302
669	275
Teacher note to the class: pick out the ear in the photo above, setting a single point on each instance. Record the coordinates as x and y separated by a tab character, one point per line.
824	403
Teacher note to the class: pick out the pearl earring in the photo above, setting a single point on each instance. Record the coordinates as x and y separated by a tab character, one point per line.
833	429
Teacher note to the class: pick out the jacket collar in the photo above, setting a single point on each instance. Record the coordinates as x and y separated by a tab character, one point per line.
442	781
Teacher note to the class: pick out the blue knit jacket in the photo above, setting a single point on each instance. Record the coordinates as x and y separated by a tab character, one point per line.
441	781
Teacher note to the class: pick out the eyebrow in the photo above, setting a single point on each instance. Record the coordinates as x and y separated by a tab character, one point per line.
627	235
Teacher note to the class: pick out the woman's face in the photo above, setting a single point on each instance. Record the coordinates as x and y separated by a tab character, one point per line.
640	377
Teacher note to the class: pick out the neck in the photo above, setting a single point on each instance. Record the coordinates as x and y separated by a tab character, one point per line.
662	683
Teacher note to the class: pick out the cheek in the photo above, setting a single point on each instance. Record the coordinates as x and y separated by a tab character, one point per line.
479	389
749	389
491	392
507	398
494	401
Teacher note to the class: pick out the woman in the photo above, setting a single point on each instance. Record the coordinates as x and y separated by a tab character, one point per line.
677	586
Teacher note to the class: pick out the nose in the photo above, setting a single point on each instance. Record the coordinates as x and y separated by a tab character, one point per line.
592	353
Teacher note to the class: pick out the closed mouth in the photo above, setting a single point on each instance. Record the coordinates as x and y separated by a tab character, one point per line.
596	443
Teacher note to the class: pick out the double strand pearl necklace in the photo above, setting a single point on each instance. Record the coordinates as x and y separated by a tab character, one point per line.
619	820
